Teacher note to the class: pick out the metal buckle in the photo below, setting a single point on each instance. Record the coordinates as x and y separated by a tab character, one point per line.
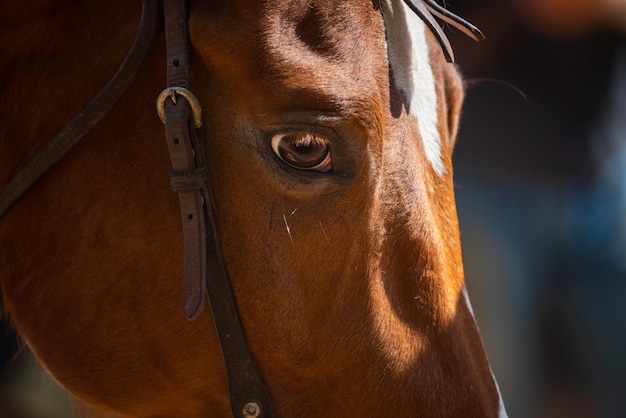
171	92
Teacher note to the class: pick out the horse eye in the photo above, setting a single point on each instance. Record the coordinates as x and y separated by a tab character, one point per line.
303	150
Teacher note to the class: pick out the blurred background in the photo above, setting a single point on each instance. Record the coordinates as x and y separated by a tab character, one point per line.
540	173
26	390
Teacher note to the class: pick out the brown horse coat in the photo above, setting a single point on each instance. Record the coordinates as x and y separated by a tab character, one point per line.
349	283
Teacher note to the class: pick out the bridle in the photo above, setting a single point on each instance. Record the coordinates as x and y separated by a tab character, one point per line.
202	256
204	269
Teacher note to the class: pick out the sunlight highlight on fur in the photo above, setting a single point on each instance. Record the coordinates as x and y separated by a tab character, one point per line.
288	229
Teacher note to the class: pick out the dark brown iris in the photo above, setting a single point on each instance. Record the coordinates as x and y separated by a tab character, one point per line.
303	150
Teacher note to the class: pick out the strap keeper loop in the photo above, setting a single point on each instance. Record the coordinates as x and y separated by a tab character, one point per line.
188	180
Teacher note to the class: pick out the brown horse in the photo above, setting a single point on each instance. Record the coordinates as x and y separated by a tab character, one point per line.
328	130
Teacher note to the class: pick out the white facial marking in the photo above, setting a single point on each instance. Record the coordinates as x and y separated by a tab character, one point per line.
410	63
502	410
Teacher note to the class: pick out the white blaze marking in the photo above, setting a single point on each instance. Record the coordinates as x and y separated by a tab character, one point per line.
410	62
502	410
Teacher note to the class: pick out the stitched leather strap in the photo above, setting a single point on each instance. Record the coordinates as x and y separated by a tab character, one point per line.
187	158
204	268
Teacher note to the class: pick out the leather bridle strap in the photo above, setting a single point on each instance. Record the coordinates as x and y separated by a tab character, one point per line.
78	127
204	268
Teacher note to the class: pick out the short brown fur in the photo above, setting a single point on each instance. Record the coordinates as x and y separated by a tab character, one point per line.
348	284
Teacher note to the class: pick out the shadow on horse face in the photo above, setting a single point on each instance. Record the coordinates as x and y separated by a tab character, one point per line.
348	280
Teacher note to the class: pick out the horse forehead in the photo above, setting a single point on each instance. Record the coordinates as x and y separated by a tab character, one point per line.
330	47
278	59
325	26
330	55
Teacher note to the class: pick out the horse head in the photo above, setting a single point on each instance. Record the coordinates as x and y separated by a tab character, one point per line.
328	129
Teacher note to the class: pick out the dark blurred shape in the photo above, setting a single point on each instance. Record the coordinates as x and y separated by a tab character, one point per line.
540	168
